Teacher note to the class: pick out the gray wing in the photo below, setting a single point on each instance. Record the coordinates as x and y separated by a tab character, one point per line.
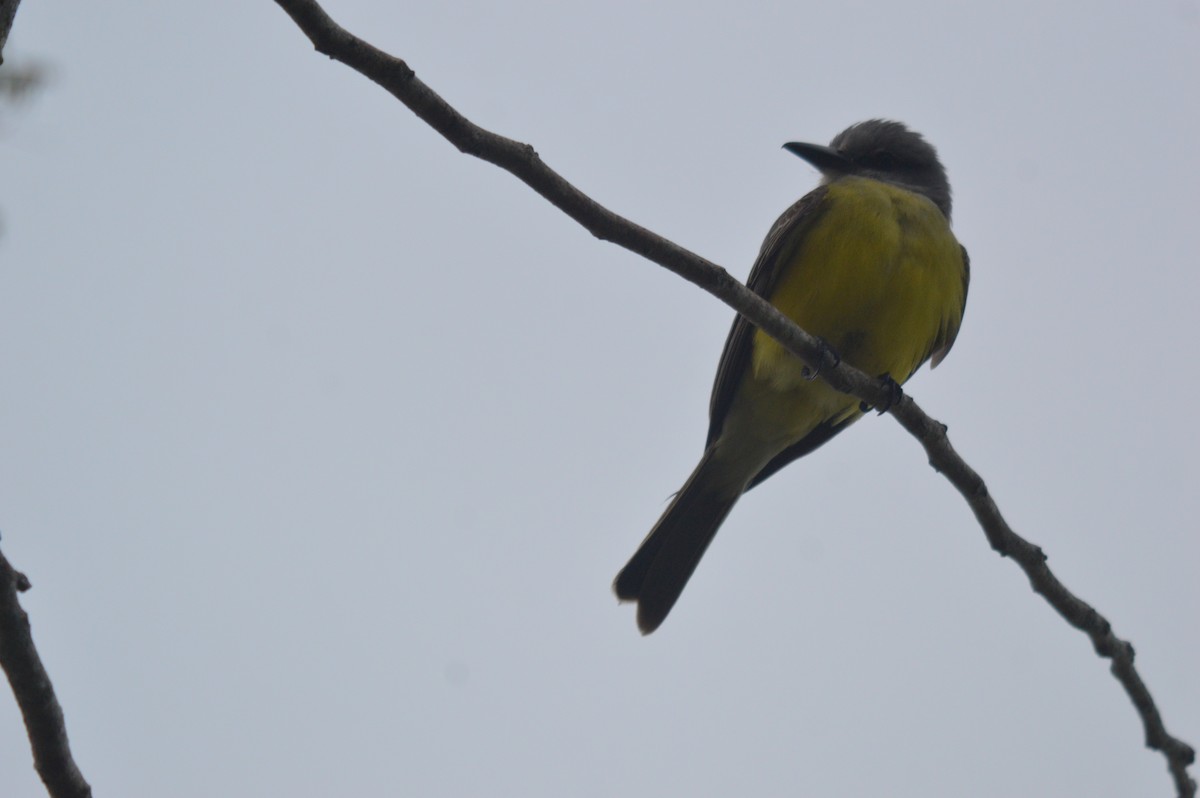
942	347
735	357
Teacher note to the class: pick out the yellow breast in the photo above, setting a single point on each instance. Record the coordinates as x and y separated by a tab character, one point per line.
879	276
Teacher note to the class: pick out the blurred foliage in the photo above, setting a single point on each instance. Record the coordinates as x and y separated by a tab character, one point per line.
19	81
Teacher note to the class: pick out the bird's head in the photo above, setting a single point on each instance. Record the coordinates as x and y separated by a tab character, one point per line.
882	150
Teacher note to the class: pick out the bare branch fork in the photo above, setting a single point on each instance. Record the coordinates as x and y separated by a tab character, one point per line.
522	161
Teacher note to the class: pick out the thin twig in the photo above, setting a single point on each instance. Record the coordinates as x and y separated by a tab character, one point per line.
35	695
522	161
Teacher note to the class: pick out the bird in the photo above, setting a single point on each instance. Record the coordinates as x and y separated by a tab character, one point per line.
867	262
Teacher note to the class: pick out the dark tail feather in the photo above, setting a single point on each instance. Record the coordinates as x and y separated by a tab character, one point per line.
656	574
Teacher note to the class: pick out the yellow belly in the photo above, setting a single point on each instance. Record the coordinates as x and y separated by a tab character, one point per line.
880	277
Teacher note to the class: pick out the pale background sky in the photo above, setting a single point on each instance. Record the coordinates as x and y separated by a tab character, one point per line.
321	442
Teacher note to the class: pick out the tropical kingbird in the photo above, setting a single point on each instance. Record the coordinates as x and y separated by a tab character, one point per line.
867	263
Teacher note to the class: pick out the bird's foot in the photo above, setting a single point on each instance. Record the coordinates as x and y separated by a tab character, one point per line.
827	352
894	392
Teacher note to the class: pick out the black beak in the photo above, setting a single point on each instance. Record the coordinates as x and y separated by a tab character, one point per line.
826	159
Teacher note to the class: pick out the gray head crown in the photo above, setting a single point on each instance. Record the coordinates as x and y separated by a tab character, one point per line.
886	151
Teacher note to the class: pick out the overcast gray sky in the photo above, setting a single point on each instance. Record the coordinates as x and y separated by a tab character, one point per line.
321	442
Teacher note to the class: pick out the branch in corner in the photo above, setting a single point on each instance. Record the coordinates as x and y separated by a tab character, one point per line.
34	692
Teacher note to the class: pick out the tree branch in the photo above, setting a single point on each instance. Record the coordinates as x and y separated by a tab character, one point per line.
34	693
8	12
522	161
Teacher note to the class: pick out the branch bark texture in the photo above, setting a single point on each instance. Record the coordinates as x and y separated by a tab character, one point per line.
34	693
522	161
